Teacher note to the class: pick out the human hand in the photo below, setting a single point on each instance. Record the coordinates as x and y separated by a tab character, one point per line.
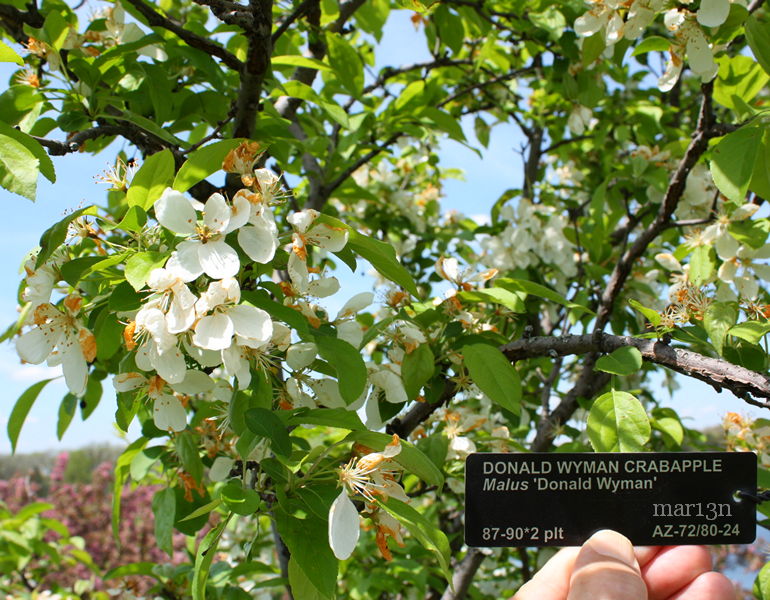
608	567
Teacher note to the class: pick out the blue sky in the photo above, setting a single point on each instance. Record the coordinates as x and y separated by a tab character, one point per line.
24	221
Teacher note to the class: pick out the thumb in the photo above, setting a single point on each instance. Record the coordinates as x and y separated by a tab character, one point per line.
606	569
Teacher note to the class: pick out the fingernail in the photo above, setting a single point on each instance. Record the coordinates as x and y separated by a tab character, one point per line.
612	545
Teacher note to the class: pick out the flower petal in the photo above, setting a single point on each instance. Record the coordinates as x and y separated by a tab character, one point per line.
74	366
35	345
214	332
301	355
258	240
216	214
220	468
170	365
239	213
251	322
712	13
169	414
328	238
185	262
344	527
218	259
175	212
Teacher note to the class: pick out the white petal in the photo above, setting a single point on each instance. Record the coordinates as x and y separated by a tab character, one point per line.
744	212
712	13
214	332
302	220
699	52
673	69
194	382
328	238
352	332
205	358
589	23
258	241
179	318
297	269
170	365
461	447
175	213
220	468
343	526
169	414
323	287
727	271
185	262
251	322
239	213
37	344
747	286
299	356
762	271
216	214
74	366
327	392
726	246
236	365
218	259
391	383
356	304
125	382
668	262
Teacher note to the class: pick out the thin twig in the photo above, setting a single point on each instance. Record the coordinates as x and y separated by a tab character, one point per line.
155	19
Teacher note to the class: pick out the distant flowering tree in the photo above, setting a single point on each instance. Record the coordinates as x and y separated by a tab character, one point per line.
320	428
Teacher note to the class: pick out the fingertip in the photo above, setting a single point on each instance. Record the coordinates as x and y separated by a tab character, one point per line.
711	585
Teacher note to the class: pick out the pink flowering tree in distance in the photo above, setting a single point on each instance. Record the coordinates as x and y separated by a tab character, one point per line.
306	432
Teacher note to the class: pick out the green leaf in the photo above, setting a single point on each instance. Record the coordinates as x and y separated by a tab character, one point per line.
732	162
18	168
626	360
430	536
761	588
416	369
67	410
535	289
751	331
346	62
54	236
265	423
187	450
140	265
301	586
617	422
21	410
164	510
202	510
651	315
134	219
8	54
703	262
653	43
667	422
328	417
203	162
121	473
758	36
494	375
139	568
513	301
204	556
717	320
739	77
308	543
154	176
410	457
347	361
44	161
240	500
593	47
56	29
295	60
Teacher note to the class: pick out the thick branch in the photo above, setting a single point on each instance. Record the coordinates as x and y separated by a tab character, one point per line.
698	145
463	575
421	411
257	65
228	12
718	373
155	19
13	20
